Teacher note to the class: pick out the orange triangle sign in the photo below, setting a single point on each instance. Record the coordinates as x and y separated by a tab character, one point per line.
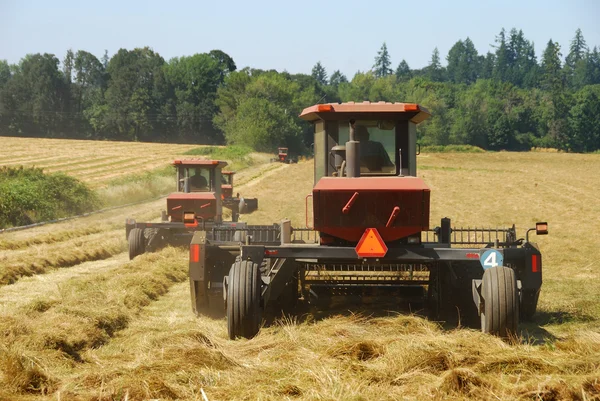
371	245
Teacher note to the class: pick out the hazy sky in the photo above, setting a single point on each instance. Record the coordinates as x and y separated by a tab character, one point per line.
288	35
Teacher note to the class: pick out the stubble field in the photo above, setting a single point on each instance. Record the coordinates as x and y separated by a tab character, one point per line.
80	321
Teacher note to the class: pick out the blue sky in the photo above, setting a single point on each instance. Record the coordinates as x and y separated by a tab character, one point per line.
283	35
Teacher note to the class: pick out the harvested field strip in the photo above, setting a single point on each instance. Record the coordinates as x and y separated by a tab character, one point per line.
85	169
89	311
340	357
38	259
50	238
31	291
123	169
87	162
42	162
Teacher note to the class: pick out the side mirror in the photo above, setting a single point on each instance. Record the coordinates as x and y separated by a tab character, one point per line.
541	228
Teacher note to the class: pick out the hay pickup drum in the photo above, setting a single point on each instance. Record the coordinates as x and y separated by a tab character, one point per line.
370	232
203	189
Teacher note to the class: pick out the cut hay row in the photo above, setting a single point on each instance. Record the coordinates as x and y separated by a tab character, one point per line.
41	249
166	353
50	238
86	163
38	259
55	331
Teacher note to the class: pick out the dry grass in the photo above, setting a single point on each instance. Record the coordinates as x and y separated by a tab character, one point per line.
95	162
126	330
55	330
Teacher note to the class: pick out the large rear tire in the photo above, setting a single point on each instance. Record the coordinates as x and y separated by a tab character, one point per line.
243	300
500	313
137	243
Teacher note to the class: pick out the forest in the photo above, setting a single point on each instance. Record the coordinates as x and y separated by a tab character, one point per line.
506	99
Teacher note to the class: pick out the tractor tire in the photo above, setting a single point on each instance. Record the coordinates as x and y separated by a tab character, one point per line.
137	243
500	313
244	314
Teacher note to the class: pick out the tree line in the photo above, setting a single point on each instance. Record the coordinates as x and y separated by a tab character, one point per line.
505	99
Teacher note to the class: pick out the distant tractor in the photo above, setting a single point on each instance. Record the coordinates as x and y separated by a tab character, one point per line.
202	192
370	233
283	156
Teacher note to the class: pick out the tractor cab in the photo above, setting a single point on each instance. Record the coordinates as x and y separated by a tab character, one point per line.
282	153
227	184
365	157
198	191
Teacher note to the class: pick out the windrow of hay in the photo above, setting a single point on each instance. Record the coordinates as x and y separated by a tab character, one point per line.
51	237
88	312
41	258
167	354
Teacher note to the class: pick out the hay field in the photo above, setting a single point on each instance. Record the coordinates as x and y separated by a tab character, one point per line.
114	330
94	162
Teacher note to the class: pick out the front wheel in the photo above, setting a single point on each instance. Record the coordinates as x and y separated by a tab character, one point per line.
500	313
243	300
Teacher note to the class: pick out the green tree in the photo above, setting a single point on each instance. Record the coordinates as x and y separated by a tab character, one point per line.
194	81
337	78
260	109
319	74
68	65
382	66
133	110
435	71
403	72
576	61
584	120
551	67
463	62
522	63
503	58
577	50
5	73
486	65
225	62
35	97
592	67
89	79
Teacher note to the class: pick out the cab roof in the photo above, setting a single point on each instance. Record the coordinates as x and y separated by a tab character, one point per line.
200	162
366	111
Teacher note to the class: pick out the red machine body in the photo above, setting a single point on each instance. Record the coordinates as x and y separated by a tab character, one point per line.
203	204
345	207
282	153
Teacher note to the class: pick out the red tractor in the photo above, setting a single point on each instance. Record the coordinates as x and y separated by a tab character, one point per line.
370	233
202	192
283	156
